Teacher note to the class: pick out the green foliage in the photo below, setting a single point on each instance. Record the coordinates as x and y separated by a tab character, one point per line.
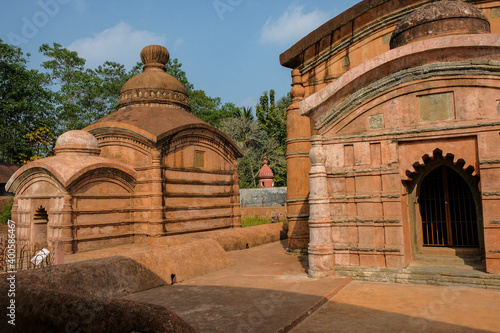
251	140
272	119
209	109
259	139
40	141
255	144
245	113
276	157
272	116
174	69
103	95
5	213
82	96
67	72
25	105
252	221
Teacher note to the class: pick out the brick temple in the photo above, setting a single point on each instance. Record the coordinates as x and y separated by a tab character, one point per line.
394	135
148	170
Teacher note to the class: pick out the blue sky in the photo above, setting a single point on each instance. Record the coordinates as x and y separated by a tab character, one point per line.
229	48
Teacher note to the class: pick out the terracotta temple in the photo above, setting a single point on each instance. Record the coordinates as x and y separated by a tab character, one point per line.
148	170
266	176
394	136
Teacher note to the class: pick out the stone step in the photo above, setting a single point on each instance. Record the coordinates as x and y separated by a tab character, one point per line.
446	262
441	276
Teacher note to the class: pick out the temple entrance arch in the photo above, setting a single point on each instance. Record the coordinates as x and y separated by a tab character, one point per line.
39	229
445	208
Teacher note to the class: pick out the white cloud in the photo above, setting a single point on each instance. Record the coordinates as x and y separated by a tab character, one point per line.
120	43
292	26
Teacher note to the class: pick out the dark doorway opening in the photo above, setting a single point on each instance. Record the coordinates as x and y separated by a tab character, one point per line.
448	210
40	221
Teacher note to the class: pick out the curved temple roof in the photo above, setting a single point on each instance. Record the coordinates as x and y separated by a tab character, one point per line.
76	154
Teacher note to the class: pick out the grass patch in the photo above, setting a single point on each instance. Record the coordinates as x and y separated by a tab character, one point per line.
252	221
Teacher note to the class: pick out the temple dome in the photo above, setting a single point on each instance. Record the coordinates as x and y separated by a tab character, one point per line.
265	172
154	85
440	18
77	141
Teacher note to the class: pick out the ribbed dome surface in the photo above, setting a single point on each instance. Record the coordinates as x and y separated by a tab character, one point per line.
440	18
154	85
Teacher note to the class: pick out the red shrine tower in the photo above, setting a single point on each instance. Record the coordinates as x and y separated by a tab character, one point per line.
266	176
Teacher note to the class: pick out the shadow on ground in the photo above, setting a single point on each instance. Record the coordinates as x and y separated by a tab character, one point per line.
351	318
235	309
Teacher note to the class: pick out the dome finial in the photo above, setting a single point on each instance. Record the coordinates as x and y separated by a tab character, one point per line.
154	56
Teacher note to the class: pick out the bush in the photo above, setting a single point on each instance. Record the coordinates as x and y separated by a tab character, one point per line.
5	214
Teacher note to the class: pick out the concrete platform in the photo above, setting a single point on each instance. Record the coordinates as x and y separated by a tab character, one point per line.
267	290
387	307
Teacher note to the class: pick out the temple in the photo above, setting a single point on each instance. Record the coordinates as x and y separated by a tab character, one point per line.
148	170
393	136
266	176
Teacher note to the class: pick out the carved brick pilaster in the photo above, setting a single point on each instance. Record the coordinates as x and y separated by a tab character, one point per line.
321	255
13	212
156	215
67	228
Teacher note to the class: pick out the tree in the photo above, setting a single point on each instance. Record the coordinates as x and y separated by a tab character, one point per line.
272	116
250	139
40	142
272	119
25	105
210	109
174	69
277	161
265	136
83	95
67	72
245	113
5	213
255	143
98	91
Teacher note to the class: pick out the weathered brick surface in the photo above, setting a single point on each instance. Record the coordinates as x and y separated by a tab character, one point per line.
149	169
386	115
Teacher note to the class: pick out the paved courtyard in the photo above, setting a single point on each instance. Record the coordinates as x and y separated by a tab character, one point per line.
267	290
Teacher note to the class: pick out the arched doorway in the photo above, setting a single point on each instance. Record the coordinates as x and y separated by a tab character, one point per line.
447	210
40	222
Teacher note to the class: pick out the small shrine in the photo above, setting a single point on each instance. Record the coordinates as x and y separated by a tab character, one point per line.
266	176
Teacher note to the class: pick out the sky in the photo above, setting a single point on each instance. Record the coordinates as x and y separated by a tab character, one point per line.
228	48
